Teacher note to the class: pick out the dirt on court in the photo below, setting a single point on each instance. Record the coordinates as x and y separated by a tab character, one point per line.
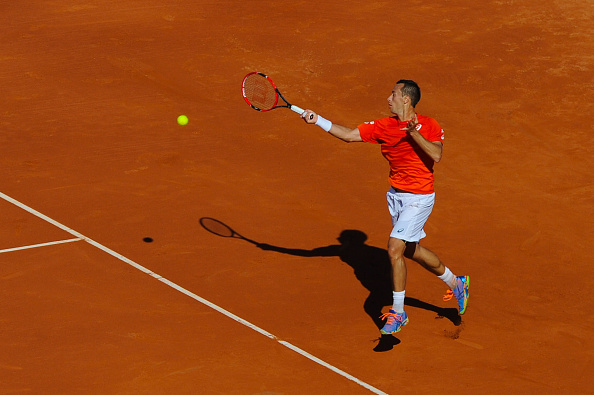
91	93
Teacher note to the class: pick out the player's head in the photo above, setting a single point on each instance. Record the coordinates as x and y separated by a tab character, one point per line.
412	90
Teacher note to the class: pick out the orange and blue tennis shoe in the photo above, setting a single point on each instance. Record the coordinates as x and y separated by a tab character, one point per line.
394	323
460	292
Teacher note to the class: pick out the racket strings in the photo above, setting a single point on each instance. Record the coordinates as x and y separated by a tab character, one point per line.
260	92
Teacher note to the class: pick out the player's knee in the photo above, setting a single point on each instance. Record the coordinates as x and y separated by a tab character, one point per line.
396	247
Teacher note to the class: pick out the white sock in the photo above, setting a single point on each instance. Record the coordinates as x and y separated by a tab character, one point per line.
398	305
449	278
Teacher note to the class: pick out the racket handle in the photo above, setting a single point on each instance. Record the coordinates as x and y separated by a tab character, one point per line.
297	109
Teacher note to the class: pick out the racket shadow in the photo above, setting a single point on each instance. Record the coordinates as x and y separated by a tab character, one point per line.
221	229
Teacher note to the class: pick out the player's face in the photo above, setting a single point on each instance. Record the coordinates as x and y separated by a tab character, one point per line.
395	100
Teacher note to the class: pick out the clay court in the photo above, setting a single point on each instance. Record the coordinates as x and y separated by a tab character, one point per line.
110	284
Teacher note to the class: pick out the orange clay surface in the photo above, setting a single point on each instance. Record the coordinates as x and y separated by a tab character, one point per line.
90	95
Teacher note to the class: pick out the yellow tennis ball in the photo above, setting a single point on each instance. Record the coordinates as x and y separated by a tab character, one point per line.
182	120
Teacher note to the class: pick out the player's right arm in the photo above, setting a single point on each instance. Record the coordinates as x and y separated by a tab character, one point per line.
342	132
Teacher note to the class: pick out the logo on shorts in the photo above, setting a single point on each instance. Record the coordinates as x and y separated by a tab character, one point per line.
400	230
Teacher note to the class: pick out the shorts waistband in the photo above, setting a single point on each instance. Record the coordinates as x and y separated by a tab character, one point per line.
397	190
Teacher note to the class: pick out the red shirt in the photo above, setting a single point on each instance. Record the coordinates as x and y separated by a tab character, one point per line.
411	169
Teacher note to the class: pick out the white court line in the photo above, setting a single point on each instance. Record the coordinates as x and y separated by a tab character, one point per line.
192	295
51	243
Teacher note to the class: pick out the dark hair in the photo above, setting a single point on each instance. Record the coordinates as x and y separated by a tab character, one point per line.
412	90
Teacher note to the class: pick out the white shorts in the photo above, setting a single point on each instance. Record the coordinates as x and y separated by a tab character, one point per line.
409	213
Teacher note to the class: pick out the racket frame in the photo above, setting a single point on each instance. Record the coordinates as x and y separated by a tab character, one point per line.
278	94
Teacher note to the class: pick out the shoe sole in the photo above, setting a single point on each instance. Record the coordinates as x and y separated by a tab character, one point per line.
383	332
467	286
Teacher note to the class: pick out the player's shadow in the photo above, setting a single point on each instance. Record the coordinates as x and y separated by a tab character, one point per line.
372	267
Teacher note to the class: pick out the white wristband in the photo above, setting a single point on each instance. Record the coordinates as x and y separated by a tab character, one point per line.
324	123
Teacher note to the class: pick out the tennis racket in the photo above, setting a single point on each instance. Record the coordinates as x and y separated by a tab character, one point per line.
262	94
220	229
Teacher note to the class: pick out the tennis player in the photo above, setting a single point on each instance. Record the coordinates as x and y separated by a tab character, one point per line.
412	144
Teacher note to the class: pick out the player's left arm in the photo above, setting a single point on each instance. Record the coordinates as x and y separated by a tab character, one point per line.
432	148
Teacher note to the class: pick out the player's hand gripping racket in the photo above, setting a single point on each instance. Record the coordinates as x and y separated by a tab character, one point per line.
220	229
261	94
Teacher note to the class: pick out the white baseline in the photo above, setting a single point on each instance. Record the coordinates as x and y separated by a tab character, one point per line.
50	243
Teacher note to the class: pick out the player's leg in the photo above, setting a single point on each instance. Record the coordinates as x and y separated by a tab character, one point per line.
426	258
415	217
458	285
396	318
396	249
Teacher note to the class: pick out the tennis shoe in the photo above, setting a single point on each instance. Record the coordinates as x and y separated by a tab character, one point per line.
460	292
395	322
